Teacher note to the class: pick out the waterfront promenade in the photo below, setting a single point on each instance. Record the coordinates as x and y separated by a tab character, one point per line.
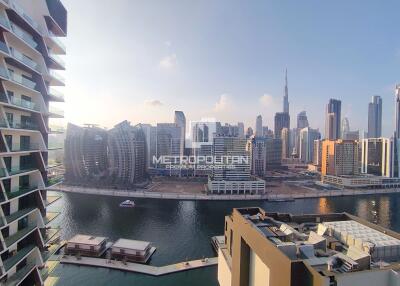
196	196
139	268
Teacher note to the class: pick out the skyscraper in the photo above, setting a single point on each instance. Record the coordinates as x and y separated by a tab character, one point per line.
306	146
282	120
127	154
375	117
302	120
285	143
286	96
180	121
333	119
29	48
240	129
259	126
397	106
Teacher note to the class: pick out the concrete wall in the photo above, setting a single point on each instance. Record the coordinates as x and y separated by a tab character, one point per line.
259	273
224	272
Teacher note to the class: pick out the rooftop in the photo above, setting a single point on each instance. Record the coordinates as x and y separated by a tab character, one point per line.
330	243
87	239
131	244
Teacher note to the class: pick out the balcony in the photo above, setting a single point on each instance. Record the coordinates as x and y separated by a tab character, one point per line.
28	125
24	36
24	147
52	199
50	216
61	46
19	191
60	64
51	234
57	129
3	172
20	11
23	81
55	95
24	103
4	22
54	181
13	260
19	235
4	72
24	59
20	275
21	169
19	214
59	78
56	112
4	48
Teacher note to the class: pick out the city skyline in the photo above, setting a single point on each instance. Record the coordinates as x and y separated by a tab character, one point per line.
243	71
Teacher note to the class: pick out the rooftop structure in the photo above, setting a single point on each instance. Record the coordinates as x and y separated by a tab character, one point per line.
327	249
132	250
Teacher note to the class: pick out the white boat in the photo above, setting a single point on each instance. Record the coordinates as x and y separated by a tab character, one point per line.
127	204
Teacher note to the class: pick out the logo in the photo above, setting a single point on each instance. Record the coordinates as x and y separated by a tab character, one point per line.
201	162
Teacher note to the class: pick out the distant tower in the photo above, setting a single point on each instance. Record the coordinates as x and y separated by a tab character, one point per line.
240	129
375	117
180	121
398	111
333	119
286	96
302	121
259	126
345	127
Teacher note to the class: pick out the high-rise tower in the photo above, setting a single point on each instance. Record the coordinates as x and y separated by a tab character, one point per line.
333	119
375	117
397	111
259	126
286	96
180	121
29	49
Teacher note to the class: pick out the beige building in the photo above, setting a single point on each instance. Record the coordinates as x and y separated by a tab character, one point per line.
274	249
339	157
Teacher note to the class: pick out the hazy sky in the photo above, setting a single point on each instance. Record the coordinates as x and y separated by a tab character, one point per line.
141	60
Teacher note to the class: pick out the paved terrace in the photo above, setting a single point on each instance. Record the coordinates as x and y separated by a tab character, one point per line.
295	193
137	267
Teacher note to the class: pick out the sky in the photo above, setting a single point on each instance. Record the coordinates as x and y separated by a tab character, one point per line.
141	60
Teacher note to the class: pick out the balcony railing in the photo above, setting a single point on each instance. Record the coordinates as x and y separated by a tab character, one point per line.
18	235
3	47
25	147
52	181
17	277
58	96
18	214
24	103
27	61
4	72
13	260
57	59
4	22
57	129
56	75
21	169
28	125
56	111
57	41
20	191
23	81
23	14
3	172
20	33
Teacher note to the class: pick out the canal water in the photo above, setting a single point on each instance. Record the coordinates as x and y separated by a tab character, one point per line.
181	230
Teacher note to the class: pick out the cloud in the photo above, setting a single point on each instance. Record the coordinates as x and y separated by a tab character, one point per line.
153	103
168	44
267	100
223	104
168	62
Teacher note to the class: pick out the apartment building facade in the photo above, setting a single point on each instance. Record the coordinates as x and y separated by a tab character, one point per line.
29	64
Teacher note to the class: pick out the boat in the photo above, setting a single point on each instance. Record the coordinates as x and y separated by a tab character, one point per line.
127	204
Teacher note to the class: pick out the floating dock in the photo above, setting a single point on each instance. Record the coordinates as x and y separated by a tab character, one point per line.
137	267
